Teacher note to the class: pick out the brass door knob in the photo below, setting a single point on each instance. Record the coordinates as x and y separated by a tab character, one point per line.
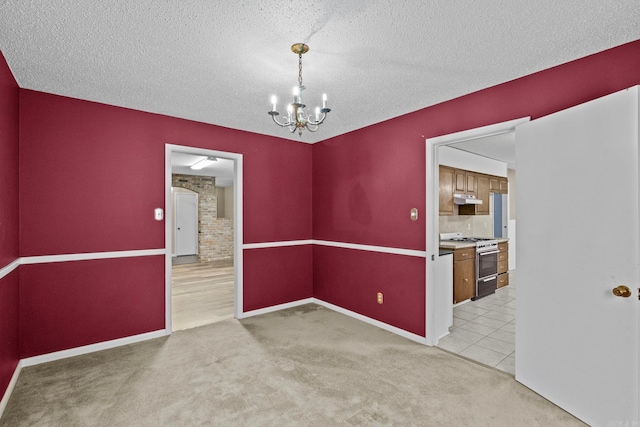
622	291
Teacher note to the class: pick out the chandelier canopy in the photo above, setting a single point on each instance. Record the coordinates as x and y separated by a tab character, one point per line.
297	116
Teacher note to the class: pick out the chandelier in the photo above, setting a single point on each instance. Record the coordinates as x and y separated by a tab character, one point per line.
297	117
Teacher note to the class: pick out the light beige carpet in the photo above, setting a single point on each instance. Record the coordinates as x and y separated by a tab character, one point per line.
306	366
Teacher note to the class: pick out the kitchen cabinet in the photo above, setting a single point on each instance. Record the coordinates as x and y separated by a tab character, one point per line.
503	280
494	184
464	274
504	186
483	194
503	264
482	183
460	181
465	182
499	185
446	185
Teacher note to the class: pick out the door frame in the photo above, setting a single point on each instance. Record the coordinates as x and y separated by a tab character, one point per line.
432	200
237	225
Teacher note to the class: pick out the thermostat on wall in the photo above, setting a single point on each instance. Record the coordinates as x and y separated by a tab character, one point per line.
158	214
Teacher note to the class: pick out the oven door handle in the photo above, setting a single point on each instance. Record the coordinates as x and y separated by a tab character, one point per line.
490	279
488	253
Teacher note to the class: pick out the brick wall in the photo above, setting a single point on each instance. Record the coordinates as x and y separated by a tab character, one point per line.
215	235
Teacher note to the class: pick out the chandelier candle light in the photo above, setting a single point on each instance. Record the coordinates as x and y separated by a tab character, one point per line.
296	117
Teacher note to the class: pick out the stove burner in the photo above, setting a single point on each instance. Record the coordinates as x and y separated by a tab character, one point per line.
469	239
482	243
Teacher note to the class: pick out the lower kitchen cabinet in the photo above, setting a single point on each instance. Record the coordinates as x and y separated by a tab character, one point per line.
503	264
464	274
503	280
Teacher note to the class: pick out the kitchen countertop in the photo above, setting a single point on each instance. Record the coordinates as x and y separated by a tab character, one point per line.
460	245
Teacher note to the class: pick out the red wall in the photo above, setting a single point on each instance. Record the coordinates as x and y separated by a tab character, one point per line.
90	177
9	339
352	278
91	174
9	329
103	300
278	272
365	182
9	97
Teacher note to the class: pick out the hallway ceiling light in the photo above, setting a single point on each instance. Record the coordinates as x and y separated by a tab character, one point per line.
297	117
203	163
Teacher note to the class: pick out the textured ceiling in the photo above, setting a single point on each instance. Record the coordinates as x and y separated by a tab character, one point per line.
219	62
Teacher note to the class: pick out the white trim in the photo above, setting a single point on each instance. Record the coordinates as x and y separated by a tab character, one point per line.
42	259
277	244
353	314
481	132
278	307
374	322
10	387
89	256
432	200
104	345
370	248
237	228
6	270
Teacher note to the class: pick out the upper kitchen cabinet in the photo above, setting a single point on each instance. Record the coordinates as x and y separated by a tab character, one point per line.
465	182
459	181
498	185
446	184
482	193
504	186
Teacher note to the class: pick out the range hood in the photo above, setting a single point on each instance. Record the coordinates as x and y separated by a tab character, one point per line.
466	199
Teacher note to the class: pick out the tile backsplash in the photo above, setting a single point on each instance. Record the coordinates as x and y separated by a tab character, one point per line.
468	225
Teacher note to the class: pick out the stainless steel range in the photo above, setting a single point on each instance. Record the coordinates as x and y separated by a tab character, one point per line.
486	262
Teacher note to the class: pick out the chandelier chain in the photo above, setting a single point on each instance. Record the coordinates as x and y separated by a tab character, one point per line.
300	69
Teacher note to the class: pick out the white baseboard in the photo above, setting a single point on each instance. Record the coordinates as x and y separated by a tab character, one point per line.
374	322
277	307
10	387
377	323
77	351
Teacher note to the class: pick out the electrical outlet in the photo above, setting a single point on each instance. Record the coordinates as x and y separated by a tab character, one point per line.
380	298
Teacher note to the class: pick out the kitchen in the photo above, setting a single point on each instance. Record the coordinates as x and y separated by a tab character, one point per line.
477	247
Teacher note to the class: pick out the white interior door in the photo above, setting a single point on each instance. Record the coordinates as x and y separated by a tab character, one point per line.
186	233
577	202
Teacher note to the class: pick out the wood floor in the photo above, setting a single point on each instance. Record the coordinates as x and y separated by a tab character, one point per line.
201	293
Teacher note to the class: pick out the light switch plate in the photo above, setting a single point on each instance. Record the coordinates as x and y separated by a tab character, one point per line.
414	214
158	214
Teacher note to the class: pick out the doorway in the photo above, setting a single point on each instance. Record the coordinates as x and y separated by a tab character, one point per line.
203	269
184	205
485	327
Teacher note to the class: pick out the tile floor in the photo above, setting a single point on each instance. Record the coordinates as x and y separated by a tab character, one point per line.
484	330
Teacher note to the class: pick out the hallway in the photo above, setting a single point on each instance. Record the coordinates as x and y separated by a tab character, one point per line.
201	293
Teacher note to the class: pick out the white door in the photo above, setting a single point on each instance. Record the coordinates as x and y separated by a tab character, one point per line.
577	210
186	232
